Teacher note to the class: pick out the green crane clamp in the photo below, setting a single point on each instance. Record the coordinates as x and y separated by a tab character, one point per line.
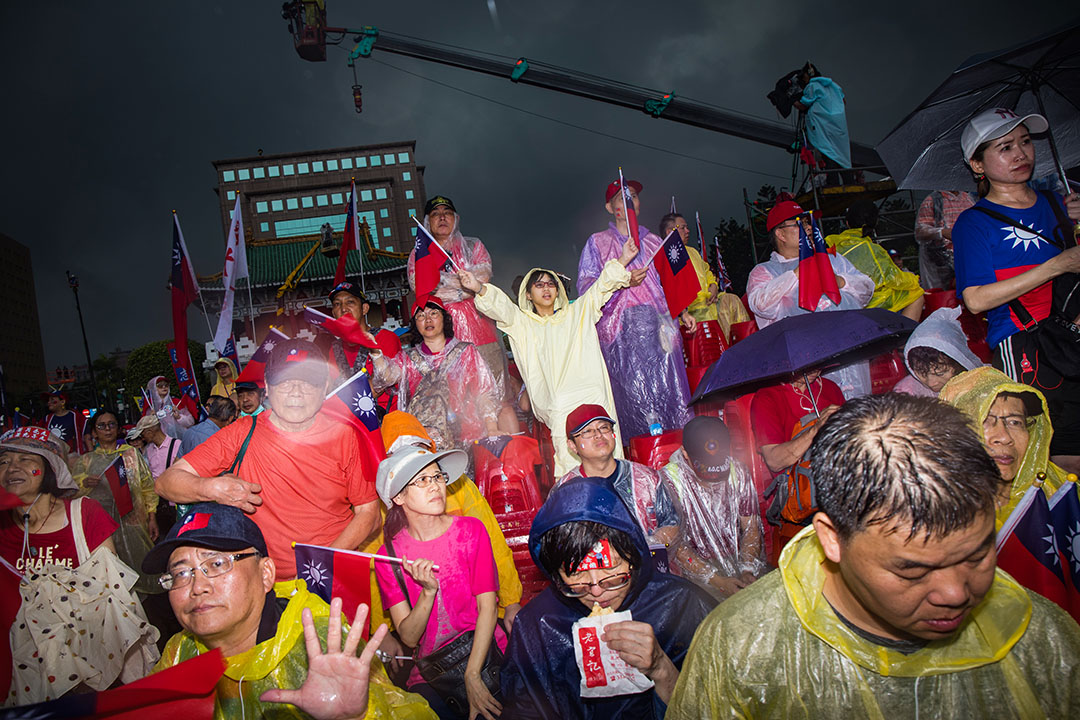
520	68
365	42
656	107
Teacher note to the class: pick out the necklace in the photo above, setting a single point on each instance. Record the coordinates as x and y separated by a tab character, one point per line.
26	549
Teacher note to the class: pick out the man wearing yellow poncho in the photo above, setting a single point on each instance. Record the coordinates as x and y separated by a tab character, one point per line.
890	605
1015	428
221	587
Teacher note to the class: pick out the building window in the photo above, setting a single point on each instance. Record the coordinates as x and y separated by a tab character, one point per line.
288	170
403	157
301	168
388	159
365	196
346	163
264	227
317	166
261	206
376	161
243	174
307	202
406	176
322	200
277	205
389	248
380	193
273	171
292	204
384	213
412	212
331	165
337	198
311	226
386	232
231	195
361	162
408	194
228	176
258	173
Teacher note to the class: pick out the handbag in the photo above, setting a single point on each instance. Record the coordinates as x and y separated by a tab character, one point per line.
1057	337
443	669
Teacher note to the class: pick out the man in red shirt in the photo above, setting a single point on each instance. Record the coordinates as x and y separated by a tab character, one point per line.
777	409
303	476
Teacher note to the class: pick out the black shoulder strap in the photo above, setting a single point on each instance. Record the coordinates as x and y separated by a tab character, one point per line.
397	571
243	448
169	457
1065	224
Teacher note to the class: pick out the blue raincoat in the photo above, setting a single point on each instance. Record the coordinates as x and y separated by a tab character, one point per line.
540	678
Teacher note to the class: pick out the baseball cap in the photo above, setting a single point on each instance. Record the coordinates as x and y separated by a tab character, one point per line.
994	123
423	301
296	359
399	468
436	202
583	415
349	288
781	212
145	423
206	525
247	385
613	188
707	443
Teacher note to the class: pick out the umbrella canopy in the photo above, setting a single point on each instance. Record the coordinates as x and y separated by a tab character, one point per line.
802	342
1042	76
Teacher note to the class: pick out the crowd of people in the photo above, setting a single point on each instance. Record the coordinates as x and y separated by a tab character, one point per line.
672	587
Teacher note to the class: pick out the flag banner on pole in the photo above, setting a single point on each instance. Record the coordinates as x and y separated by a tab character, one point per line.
677	275
673	211
117	477
348	329
255	370
184	288
816	277
354	403
350	239
1065	516
721	269
330	573
1028	549
230	352
182	692
235	268
430	262
185	379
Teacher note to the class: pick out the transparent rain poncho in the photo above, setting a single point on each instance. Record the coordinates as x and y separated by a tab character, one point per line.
720	532
941	331
640	340
778	650
282	662
973	393
164	407
894	289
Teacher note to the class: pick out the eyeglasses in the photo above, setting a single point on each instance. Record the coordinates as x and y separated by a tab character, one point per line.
543	284
1012	422
213	566
788	224
593	433
290	386
422	481
611	582
106	426
428	313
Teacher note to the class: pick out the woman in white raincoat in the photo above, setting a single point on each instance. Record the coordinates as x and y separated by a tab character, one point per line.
174	418
555	343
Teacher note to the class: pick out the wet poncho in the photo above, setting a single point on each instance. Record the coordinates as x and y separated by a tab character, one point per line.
540	678
826	120
894	289
778	650
772	290
282	662
941	330
640	341
132	540
224	388
163	407
973	393
720	532
640	488
559	355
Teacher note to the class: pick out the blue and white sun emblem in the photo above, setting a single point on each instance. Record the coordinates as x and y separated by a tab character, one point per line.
364	404
1073	548
315	574
269	345
674	253
1021	235
1052	548
176	255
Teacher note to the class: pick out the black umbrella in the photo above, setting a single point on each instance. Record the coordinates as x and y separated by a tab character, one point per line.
802	342
1041	76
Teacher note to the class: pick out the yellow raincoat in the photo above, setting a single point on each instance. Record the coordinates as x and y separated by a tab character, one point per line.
225	388
973	392
559	356
281	662
777	650
894	289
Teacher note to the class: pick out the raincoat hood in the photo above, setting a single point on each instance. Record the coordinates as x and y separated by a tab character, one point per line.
232	366
595	500
941	331
156	401
973	393
561	302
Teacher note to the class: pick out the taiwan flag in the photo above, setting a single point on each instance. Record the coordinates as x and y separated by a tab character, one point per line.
1065	515
816	277
185	379
345	327
677	275
1028	548
255	370
229	351
331	573
117	477
350	238
430	261
355	404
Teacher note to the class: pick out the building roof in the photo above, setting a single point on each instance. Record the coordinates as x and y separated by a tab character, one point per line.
270	264
411	144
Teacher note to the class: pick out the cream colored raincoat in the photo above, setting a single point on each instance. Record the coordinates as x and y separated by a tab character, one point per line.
777	650
559	356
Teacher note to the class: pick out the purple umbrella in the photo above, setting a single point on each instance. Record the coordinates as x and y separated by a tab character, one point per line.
803	342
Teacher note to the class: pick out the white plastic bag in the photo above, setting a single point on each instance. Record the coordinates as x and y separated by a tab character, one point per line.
603	672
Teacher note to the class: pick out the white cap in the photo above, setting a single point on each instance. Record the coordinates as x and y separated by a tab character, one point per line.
992	124
401	466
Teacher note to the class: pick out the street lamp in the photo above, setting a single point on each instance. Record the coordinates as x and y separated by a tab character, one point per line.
73	283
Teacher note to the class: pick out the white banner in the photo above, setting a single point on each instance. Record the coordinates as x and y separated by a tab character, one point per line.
235	268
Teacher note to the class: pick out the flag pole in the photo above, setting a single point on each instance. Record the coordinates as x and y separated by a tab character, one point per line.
626	218
357	553
448	255
657	251
198	290
251	308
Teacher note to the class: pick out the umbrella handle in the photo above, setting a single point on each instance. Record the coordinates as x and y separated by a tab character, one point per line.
810	393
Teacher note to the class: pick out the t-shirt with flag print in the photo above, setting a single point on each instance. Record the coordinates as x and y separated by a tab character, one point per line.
988	250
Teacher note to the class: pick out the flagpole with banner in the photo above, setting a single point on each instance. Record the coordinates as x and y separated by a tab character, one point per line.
235	268
194	281
432	238
251	306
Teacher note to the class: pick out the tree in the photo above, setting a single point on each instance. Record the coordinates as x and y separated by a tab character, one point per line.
152	359
736	241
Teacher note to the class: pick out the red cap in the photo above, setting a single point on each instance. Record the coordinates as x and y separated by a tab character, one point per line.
423	301
583	415
782	212
614	188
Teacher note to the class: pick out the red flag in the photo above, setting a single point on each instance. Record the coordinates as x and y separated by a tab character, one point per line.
677	275
816	276
331	573
255	370
354	403
184	287
116	476
345	327
430	261
1027	548
350	239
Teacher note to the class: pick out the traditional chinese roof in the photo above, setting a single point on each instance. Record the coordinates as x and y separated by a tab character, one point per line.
270	264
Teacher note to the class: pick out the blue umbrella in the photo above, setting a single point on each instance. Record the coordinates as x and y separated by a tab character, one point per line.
802	342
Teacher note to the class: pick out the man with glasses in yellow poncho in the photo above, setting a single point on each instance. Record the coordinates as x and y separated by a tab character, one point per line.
220	580
890	605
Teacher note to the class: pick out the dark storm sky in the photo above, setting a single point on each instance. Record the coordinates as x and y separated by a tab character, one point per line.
113	113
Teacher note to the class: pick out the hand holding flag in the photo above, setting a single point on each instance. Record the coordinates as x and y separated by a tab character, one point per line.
431	259
117	477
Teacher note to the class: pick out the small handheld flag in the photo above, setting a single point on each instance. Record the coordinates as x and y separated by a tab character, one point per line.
1065	517
816	276
117	477
345	327
628	208
677	276
331	573
431	260
355	404
255	370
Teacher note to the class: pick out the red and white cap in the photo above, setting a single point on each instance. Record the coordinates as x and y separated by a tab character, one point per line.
992	124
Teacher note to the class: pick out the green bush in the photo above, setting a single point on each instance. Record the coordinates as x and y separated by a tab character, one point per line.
153	359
